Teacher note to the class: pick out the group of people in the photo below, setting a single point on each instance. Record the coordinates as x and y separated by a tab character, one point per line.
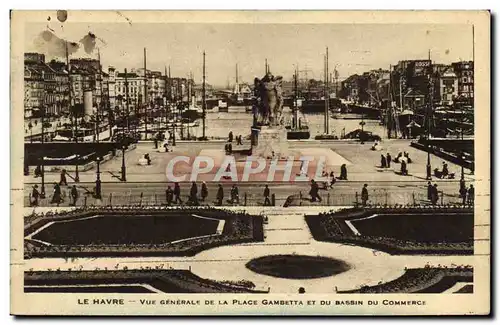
238	138
57	194
403	158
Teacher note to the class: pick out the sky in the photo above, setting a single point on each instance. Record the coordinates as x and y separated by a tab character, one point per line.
353	48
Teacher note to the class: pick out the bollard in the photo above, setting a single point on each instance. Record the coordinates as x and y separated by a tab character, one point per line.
442	197
85	202
328	199
413	196
140	202
110	199
386	197
245	199
273	199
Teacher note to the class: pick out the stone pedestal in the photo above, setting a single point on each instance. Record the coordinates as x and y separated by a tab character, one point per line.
271	140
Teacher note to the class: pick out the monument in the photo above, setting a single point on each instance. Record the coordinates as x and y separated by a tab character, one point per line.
269	136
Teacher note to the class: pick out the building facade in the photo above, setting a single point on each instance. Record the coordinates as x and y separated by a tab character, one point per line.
465	76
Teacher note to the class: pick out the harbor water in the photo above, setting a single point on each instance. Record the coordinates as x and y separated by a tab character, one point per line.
219	124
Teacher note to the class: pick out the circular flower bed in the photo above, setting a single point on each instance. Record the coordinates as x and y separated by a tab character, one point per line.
297	266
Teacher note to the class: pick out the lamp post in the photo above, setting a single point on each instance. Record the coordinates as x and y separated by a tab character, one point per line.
77	174
173	126
98	179
462	158
124	168
42	192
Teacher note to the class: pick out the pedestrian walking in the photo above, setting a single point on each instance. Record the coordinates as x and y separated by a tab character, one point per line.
445	171
193	194
204	191
235	196
177	193
463	194
332	179
62	179
314	191
470	195
389	158
230	136
38	171
383	163
364	194
462	185
169	195
35	195
74	195
343	172
429	191
220	195
267	193
56	196
404	169
435	194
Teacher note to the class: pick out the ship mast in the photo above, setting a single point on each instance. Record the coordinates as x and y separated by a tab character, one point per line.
204	103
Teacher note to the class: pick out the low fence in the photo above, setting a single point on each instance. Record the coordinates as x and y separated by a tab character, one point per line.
328	198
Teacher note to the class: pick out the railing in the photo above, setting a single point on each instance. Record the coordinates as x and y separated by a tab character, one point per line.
379	197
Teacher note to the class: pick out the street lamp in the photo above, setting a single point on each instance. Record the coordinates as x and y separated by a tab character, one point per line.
42	190
173	126
462	158
124	169
98	179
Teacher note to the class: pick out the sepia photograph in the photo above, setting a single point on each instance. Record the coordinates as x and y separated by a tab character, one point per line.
250	163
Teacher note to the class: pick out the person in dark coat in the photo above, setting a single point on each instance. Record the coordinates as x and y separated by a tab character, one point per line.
35	195
463	194
56	197
383	163
364	194
445	171
177	193
169	195
435	194
343	172
332	179
429	191
38	171
470	195
314	191
235	196
193	194
462	185
74	195
204	191
267	193
404	170
230	136
388	160
62	180
220	195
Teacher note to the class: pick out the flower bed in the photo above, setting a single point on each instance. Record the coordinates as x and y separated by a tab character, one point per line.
421	280
400	230
164	280
239	228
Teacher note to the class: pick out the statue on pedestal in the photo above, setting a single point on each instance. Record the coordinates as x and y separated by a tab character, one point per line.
269	138
268	104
